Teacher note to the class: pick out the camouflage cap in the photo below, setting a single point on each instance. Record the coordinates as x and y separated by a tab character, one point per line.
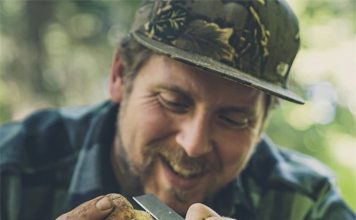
253	42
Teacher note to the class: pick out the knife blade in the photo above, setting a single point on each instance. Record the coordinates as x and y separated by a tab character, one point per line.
156	208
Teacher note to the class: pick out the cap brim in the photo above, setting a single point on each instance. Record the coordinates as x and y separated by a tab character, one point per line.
220	69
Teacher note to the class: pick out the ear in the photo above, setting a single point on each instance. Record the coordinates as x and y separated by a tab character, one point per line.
116	79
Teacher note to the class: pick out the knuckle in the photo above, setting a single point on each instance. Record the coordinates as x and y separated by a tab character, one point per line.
80	213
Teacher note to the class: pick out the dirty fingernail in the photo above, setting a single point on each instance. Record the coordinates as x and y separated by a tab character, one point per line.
104	204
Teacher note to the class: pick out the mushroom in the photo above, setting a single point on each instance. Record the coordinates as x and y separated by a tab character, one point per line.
123	210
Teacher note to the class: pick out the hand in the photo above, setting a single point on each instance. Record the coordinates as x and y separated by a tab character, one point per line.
95	209
200	211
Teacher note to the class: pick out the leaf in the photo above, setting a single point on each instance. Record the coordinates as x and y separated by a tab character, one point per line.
207	39
167	22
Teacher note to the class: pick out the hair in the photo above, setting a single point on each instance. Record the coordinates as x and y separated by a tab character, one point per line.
271	103
133	56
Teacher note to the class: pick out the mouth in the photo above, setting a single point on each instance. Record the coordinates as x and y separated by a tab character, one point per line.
183	171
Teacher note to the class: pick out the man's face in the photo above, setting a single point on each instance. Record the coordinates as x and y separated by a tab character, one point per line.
187	133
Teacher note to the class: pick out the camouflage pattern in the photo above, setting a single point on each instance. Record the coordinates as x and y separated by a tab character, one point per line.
253	42
57	159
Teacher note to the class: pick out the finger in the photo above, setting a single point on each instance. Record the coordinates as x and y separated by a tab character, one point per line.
219	218
95	209
200	211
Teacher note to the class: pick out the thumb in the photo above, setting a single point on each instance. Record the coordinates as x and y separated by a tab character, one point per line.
201	211
95	209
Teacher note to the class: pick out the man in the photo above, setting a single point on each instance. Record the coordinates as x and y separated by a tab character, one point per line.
191	88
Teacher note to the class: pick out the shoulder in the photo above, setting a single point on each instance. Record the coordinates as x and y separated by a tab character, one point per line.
291	182
293	170
302	170
45	136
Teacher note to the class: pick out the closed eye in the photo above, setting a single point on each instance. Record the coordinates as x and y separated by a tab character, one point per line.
172	103
235	123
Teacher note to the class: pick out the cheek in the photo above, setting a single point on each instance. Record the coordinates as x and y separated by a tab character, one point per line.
154	123
235	151
145	122
140	126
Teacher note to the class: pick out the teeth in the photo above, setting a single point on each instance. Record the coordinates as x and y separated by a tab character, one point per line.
185	172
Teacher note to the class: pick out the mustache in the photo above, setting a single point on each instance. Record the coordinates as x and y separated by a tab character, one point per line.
177	155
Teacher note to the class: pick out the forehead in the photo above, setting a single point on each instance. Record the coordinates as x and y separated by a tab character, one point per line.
161	70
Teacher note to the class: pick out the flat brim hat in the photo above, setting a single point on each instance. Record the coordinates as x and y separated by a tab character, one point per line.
253	42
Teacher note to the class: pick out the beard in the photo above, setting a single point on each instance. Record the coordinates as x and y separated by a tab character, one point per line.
136	173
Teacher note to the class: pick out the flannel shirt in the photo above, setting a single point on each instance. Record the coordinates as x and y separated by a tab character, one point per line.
57	159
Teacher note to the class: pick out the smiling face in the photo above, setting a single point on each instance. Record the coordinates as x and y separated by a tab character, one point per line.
185	133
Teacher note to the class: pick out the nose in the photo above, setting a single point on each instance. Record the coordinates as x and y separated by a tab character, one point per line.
194	136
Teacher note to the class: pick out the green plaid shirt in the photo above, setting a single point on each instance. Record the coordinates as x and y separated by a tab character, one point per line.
57	159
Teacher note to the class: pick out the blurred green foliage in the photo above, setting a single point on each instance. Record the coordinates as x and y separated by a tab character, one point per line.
58	53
